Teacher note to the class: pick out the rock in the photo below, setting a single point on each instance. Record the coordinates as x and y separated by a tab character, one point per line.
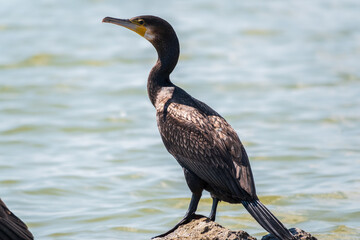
297	232
205	229
202	228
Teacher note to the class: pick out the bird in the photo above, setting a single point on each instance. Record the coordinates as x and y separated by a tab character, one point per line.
204	144
11	227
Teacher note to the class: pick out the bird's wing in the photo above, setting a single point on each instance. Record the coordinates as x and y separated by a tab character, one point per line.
11	227
208	146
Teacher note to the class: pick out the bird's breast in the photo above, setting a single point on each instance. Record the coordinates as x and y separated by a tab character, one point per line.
162	97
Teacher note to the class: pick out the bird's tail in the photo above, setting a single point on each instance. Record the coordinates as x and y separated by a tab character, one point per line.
267	220
11	227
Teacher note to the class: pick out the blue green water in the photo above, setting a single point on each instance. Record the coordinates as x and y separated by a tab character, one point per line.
80	153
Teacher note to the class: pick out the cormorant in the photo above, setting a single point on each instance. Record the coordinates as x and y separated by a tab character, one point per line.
11	227
204	144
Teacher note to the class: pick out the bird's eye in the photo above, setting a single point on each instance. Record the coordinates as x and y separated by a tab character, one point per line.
140	21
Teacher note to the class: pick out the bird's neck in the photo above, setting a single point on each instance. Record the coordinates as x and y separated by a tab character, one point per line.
168	55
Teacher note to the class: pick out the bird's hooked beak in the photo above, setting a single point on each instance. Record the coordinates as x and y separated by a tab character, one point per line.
132	25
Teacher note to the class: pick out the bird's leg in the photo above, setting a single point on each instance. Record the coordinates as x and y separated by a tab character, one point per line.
188	216
213	209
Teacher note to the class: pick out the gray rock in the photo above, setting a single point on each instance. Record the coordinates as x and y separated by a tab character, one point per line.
205	229
202	228
297	232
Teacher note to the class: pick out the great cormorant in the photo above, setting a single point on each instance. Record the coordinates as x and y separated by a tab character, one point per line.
11	227
204	144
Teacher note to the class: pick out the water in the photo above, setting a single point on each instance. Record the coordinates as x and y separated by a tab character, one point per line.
80	153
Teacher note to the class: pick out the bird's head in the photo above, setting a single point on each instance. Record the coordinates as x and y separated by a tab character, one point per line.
159	33
153	28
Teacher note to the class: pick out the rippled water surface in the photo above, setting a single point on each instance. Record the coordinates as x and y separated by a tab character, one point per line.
80	153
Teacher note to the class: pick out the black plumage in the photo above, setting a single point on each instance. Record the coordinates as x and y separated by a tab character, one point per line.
11	227
204	144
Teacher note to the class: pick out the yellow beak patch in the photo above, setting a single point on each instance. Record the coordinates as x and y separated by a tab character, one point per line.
132	25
